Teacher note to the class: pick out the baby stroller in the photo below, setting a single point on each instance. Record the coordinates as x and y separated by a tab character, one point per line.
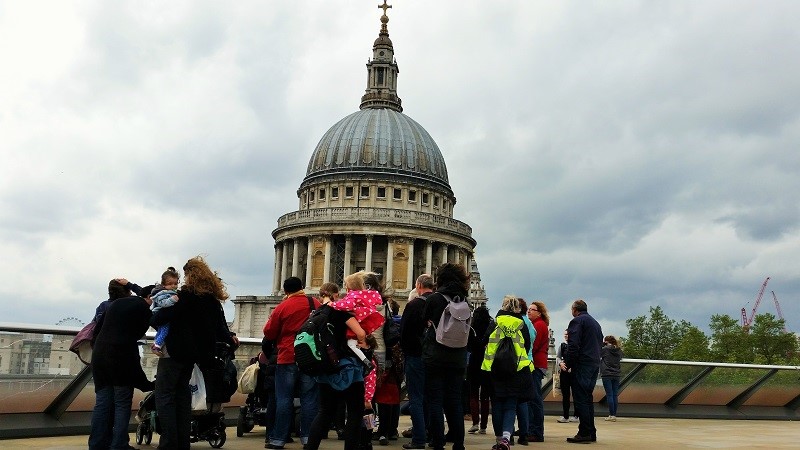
256	410
205	426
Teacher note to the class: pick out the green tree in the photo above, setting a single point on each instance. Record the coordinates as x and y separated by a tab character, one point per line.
729	341
692	345
651	337
771	345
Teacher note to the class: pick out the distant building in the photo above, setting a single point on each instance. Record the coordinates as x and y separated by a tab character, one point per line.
376	196
24	354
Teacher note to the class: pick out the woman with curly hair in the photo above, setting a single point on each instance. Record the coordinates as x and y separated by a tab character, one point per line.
197	323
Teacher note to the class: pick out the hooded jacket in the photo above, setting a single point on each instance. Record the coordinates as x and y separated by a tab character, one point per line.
610	357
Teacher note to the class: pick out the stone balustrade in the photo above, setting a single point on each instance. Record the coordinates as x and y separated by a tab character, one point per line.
373	215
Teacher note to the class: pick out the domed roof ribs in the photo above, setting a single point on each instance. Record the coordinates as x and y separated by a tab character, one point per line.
382	71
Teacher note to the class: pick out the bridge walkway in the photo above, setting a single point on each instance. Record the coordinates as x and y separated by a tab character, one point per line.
626	433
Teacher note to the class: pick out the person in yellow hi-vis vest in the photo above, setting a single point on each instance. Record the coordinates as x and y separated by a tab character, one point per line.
506	359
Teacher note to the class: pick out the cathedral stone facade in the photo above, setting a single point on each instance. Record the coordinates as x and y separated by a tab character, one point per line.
376	196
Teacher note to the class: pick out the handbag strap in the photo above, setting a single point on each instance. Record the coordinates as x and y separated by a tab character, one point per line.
311	303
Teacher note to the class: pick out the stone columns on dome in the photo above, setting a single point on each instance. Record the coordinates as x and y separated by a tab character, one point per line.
428	257
368	259
276	274
309	261
466	261
410	275
348	253
285	260
326	275
444	253
389	280
296	258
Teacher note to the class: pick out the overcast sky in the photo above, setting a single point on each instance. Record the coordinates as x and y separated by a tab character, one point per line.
632	153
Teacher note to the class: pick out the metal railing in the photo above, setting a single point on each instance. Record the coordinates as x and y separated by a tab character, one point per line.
46	391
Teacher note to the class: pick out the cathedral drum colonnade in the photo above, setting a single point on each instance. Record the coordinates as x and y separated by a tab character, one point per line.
376	196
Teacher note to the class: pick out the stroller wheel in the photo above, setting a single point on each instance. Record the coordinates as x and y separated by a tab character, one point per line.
217	438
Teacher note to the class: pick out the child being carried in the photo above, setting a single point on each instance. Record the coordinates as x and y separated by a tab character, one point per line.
362	303
164	295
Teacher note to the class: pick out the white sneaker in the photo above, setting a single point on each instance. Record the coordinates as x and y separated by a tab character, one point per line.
474	429
610	419
613	418
482	431
574	419
562	420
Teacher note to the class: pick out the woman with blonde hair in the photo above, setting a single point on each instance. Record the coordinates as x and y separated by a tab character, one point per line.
507	361
197	323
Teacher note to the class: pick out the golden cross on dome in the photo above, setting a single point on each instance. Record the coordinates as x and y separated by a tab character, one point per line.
384	7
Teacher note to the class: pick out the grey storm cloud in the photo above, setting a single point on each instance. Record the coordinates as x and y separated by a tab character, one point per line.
631	153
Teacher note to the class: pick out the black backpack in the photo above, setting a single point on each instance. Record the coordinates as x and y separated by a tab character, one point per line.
315	348
505	357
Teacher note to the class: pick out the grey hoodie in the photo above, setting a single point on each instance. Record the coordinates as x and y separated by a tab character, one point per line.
610	357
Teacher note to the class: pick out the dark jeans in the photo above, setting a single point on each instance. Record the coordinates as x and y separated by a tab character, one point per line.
415	382
173	403
479	389
443	393
503	415
584	378
287	376
329	400
523	417
566	380
269	421
536	407
110	417
611	385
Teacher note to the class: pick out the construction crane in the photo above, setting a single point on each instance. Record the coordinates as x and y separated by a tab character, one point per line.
780	313
747	321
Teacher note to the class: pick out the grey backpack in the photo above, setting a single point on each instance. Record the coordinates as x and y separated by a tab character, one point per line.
454	324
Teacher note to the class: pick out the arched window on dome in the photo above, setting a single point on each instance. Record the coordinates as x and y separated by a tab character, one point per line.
380	72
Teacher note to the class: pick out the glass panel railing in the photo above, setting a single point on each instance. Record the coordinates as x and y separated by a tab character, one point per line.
34	369
657	383
777	391
723	385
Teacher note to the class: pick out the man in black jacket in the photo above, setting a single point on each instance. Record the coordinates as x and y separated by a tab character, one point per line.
583	362
445	366
116	368
412	326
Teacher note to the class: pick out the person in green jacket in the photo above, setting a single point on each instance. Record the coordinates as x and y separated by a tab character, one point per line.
509	366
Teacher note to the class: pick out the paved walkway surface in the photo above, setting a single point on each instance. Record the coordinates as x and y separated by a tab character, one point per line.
626	433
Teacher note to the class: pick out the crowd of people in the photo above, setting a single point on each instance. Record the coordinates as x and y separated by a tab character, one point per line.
450	362
435	372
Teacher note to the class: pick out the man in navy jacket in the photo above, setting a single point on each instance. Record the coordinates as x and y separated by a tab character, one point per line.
583	362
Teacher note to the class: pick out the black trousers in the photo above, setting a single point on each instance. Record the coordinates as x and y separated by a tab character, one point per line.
329	399
566	391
